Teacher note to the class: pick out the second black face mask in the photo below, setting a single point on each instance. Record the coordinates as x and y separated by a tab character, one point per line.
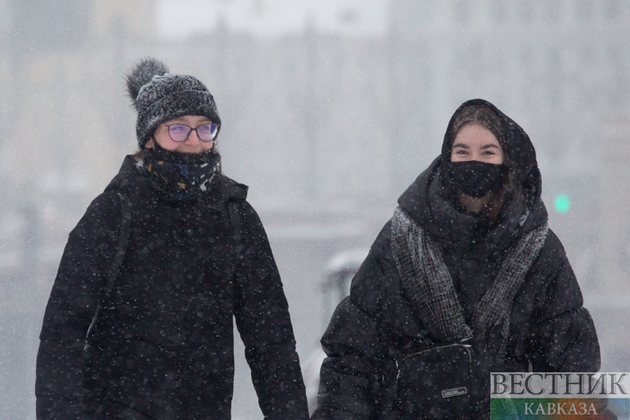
477	179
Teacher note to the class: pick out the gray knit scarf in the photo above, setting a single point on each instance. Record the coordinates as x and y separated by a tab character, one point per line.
425	276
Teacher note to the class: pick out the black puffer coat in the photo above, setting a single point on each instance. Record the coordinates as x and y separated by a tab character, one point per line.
163	345
378	324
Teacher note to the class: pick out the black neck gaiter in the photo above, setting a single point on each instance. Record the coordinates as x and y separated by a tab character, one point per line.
159	153
182	175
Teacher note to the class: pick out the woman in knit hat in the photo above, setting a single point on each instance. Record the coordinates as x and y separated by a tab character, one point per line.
464	280
139	324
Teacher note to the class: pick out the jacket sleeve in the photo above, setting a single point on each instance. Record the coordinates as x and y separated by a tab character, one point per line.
262	317
563	336
71	306
347	376
352	375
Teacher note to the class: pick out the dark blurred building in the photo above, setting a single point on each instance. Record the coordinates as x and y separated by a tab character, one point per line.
327	122
614	198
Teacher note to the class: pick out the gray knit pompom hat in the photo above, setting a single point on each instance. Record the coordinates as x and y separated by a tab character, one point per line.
159	96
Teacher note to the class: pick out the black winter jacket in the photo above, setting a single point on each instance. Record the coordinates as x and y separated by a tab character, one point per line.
377	324
163	344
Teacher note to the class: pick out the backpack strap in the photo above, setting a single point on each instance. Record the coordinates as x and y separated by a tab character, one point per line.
117	259
235	221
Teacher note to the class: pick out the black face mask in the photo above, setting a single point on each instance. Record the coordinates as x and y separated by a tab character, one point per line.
477	179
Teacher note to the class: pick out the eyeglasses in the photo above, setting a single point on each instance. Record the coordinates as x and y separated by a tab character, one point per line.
180	132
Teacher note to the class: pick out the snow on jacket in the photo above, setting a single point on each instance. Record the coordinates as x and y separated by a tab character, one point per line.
377	324
163	344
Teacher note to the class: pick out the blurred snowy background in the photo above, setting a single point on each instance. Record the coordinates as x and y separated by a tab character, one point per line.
330	109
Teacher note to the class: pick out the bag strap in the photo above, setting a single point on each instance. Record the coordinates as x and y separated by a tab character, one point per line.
117	259
235	221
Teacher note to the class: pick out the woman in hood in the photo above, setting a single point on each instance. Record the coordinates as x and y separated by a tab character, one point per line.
464	280
139	324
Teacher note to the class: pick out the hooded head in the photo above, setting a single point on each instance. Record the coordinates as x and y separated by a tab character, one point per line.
519	153
431	199
159	96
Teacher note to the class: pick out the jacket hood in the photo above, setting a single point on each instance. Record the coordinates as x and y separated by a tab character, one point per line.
427	200
129	179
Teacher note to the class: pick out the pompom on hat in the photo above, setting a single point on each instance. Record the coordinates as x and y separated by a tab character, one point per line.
159	96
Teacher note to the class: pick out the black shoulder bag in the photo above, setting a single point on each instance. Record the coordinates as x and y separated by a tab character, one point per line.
436	383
